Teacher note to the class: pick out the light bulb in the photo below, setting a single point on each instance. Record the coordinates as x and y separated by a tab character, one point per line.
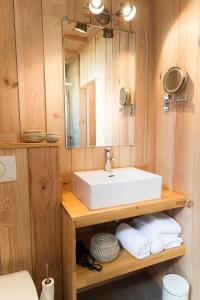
129	12
96	6
96	3
126	9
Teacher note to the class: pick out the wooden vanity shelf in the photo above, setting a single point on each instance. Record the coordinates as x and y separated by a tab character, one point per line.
76	215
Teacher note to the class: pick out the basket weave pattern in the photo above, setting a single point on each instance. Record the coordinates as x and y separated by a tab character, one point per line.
104	247
33	136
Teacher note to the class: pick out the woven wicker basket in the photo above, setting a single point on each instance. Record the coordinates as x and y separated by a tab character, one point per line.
104	247
33	136
52	137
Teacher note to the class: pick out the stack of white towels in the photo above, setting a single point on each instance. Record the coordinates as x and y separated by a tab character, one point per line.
149	234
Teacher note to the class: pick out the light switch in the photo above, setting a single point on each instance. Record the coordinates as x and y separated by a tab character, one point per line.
7	168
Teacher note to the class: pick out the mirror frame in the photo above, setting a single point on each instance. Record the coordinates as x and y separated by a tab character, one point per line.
182	83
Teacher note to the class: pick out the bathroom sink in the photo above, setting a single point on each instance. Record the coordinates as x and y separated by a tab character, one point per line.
99	189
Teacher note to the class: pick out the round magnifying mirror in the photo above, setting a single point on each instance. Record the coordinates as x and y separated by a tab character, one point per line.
124	96
174	80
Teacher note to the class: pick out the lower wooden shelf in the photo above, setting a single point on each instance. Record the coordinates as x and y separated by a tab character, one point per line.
124	264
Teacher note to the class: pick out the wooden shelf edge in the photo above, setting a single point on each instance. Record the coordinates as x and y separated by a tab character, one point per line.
83	217
124	264
27	145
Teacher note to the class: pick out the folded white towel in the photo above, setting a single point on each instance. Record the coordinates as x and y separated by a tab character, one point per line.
157	244
171	240
159	223
131	240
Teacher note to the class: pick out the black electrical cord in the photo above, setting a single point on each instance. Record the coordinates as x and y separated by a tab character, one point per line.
84	258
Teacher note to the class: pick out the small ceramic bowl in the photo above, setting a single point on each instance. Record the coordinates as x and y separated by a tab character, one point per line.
52	137
33	136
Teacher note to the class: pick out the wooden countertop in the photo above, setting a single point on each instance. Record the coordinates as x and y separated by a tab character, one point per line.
82	216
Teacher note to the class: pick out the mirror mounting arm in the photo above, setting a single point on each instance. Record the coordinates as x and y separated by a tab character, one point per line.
172	98
130	108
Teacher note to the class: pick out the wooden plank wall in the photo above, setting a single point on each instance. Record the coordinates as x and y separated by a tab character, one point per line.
173	138
30	216
31	96
44	185
15	229
31	81
9	106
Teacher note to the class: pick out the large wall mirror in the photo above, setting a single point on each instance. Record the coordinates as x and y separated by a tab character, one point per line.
99	83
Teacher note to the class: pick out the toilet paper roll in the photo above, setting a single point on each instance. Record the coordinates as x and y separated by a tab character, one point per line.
47	290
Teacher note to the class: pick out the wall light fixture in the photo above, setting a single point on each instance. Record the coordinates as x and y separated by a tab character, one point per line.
127	10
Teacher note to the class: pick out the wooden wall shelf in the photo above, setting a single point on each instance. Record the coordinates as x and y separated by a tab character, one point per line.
76	215
27	145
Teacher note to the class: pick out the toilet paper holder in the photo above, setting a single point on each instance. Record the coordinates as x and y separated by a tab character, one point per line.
47	286
47	280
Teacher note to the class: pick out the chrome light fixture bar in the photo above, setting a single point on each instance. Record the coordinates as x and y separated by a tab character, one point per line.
107	32
127	11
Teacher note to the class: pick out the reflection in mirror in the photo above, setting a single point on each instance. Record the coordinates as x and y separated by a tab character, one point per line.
96	69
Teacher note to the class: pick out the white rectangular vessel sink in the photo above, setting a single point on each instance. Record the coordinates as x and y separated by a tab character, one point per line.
99	189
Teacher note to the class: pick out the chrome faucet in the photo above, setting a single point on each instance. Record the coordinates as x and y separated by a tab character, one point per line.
108	160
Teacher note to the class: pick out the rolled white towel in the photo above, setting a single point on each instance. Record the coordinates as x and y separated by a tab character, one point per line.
159	223
171	240
157	244
131	240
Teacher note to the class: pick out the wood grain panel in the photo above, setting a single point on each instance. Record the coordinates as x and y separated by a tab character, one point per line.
69	258
121	156
76	10
15	230
174	152
9	108
30	64
195	251
53	12
140	25
83	117
183	178
45	215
